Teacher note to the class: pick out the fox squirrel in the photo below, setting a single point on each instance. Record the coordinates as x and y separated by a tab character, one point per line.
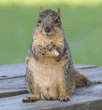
50	73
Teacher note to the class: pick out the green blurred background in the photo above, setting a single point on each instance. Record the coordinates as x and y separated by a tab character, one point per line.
81	20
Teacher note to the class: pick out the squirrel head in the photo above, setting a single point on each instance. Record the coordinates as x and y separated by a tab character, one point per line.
49	21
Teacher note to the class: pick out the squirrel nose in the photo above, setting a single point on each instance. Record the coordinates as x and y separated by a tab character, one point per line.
47	29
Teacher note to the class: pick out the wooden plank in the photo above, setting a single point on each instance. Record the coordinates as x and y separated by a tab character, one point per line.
13	92
84	66
84	98
13	70
18	70
12	87
16	83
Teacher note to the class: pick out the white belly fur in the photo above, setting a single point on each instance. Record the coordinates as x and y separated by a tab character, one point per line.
46	70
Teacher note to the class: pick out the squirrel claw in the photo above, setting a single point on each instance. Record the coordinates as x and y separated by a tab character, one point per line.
43	53
42	49
28	99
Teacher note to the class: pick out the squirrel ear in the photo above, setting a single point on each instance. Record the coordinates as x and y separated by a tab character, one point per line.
58	12
40	10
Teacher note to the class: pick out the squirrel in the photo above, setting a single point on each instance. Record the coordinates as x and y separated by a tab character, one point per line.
50	73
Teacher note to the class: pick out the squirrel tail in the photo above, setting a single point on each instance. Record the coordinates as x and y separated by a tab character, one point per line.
81	80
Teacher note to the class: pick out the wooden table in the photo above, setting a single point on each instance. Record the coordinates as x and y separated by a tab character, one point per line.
13	89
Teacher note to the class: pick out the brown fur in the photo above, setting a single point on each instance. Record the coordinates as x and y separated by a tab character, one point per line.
50	73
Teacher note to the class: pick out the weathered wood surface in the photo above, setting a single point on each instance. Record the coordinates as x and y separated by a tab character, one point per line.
85	98
12	82
12	71
17	84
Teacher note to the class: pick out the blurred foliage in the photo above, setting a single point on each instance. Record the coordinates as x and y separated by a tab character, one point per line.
82	26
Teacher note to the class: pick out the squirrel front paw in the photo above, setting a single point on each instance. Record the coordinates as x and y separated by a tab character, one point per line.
40	50
50	46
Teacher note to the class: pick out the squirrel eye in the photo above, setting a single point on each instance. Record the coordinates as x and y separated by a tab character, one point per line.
39	21
56	20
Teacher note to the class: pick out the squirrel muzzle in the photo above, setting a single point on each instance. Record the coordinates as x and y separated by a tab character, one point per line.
47	25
